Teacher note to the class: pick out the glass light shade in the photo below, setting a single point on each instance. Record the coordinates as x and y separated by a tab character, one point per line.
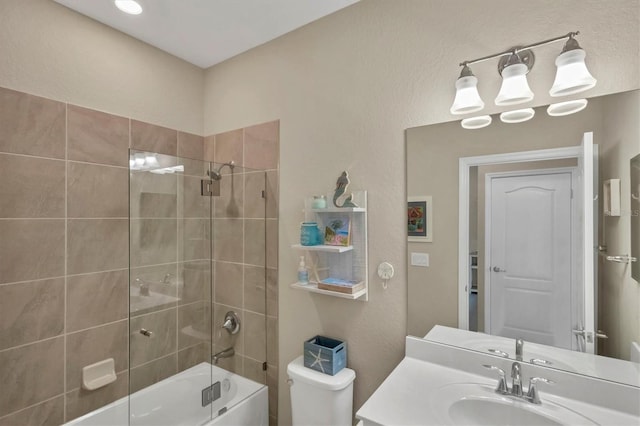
131	7
517	116
515	88
472	123
572	75
565	108
467	98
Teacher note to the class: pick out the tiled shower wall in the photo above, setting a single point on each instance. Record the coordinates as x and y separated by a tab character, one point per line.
241	210
64	242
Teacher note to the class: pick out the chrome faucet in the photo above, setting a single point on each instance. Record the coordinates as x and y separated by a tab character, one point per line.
225	353
519	349
516	385
516	380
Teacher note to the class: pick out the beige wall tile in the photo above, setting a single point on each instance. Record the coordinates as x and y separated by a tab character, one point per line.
228	147
95	245
153	241
31	249
272	340
96	344
254	336
31	187
254	185
153	195
196	281
228	284
80	401
163	342
151	138
31	311
272	243
253	370
261	145
97	191
35	373
97	137
191	202
48	413
272	292
209	148
152	372
194	324
230	203
227	240
273	194
31	125
190	146
254	288
194	355
96	299
254	242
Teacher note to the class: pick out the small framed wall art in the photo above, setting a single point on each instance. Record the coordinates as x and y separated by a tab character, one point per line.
420	219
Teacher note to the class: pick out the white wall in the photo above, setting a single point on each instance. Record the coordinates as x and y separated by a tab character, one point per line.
346	87
51	51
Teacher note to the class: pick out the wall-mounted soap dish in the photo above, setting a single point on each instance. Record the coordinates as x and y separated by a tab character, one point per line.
97	375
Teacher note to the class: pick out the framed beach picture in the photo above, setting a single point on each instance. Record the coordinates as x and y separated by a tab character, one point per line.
337	231
420	219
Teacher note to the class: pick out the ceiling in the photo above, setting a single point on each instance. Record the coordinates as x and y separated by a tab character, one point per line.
206	32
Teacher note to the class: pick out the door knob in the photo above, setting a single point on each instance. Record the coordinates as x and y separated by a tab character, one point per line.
497	269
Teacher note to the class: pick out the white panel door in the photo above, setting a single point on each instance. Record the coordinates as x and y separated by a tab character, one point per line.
530	257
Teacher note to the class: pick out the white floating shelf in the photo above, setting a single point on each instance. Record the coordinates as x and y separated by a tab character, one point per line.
340	210
324	248
313	288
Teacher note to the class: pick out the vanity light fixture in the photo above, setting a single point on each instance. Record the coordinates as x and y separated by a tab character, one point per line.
131	7
561	109
479	122
467	98
517	116
572	77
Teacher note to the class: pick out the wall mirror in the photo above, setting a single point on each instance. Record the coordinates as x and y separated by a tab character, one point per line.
519	265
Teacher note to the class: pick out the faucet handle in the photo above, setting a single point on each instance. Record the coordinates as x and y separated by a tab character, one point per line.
502	382
533	395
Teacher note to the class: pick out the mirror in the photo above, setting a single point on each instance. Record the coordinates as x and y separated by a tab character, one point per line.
433	169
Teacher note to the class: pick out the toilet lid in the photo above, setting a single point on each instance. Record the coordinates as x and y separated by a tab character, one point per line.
297	371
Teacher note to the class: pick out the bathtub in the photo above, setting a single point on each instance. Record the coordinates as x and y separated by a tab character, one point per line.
177	400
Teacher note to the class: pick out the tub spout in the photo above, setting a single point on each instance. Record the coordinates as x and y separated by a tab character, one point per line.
225	353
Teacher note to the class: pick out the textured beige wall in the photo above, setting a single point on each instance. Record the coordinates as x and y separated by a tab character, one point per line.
619	302
51	51
345	88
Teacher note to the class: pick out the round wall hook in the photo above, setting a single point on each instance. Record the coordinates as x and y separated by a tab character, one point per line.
526	57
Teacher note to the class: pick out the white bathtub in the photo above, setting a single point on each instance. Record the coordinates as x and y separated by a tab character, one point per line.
177	400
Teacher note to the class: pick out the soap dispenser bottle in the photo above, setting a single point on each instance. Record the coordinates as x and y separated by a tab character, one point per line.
303	274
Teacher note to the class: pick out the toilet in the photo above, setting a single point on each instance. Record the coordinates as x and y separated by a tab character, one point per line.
320	399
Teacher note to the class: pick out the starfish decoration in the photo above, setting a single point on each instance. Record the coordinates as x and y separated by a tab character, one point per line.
318	359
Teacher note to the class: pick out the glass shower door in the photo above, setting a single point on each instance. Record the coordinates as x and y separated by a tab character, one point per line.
170	290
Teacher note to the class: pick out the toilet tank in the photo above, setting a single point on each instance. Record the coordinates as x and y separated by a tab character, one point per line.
320	399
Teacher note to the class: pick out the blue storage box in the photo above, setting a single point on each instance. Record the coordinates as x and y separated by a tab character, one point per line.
325	355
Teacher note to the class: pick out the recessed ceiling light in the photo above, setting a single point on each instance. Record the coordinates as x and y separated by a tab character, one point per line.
479	122
566	108
517	116
131	7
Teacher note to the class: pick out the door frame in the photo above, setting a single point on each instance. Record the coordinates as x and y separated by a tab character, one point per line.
576	245
464	165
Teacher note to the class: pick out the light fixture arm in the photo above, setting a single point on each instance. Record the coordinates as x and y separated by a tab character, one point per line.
512	51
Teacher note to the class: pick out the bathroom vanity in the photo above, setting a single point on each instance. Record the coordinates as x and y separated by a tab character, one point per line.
439	384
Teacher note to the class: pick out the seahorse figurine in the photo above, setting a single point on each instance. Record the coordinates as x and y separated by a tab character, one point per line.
341	188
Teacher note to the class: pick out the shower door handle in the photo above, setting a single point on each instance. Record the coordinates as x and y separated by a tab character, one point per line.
498	269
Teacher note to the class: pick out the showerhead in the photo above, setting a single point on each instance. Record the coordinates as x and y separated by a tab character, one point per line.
215	174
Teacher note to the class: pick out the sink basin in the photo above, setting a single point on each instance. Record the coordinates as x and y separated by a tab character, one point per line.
478	404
